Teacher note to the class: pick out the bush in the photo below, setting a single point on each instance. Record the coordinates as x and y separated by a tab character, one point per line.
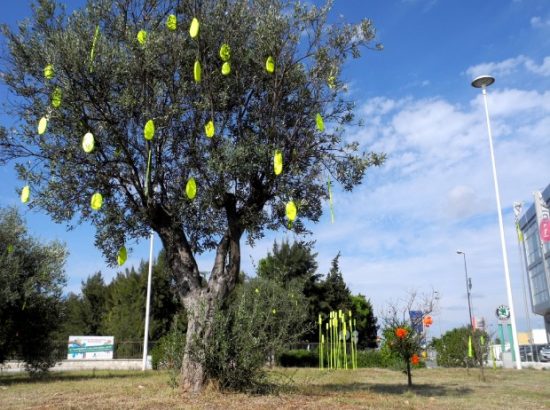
298	358
168	352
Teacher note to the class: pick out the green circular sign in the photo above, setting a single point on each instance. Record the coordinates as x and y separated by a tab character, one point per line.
503	312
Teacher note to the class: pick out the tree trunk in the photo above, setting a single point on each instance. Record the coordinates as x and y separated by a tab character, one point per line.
409	375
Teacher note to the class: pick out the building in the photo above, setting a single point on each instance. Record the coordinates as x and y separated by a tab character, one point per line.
537	256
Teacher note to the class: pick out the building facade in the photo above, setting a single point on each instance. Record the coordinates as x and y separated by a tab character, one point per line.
537	256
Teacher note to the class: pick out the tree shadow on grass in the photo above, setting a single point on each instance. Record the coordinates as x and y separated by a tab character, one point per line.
8	379
427	390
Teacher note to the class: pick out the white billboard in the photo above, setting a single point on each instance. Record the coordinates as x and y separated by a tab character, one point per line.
90	347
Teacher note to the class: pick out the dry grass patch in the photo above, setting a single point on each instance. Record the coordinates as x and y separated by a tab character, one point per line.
297	389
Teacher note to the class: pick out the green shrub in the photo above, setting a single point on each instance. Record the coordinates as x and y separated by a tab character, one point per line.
298	358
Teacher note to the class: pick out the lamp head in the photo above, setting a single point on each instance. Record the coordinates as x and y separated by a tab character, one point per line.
460	252
483	81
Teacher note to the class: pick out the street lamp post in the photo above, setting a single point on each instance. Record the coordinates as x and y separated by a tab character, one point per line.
483	82
468	288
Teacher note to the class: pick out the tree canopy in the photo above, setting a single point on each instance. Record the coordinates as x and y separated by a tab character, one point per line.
131	119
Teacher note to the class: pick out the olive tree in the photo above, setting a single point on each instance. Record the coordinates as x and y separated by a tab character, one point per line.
203	120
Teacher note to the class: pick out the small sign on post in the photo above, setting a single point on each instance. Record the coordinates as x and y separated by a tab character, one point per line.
545	230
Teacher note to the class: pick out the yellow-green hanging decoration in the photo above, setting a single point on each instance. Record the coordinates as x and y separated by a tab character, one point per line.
319	122
191	188
142	37
197	71
88	142
97	201
470	352
209	129
42	125
225	52
56	97
194	28
92	51
149	130
25	194
172	22
278	162
331	80
49	72
330	202
10	248
226	68
270	65
291	212
122	256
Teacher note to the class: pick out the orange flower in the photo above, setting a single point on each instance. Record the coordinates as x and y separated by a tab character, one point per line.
415	359
401	333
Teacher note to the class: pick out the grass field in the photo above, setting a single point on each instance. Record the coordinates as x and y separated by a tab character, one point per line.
302	389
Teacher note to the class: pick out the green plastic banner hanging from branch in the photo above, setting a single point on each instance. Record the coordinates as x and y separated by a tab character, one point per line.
149	130
197	71
92	51
330	201
49	72
56	97
194	28
319	122
191	188
88	142
42	125
142	37
209	129
172	22
97	201
278	162
122	256
25	194
270	65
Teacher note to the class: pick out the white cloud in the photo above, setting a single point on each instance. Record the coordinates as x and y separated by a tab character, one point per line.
510	66
539	22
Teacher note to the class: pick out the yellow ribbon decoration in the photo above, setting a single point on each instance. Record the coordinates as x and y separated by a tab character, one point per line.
209	129
172	22
191	188
226	68
49	72
270	65
470	352
194	28
25	194
519	232
42	125
97	201
56	97
142	37
92	51
278	162
225	52
88	142
291	212
197	71
122	256
149	130
319	122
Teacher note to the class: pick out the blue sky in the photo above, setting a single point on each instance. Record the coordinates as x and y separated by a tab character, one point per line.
399	231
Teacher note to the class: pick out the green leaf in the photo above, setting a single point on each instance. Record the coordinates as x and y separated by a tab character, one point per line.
96	201
149	130
88	142
194	28
191	188
172	22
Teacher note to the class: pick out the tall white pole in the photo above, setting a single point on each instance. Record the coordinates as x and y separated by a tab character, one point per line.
502	240
147	305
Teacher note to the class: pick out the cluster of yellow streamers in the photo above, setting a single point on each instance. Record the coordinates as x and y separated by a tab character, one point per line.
88	141
340	329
